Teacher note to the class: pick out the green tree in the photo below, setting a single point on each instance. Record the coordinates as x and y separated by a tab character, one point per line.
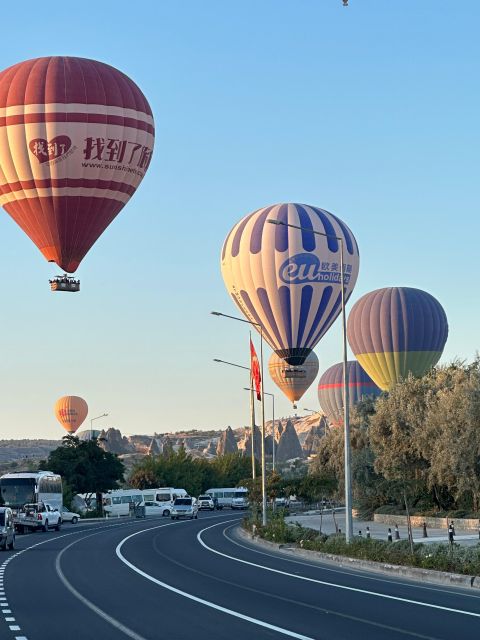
85	467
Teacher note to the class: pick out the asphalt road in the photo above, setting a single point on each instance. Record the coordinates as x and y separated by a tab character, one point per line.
158	579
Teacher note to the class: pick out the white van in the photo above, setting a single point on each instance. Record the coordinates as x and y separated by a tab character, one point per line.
117	502
225	496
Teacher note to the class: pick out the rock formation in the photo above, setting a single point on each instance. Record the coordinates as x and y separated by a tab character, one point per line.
112	441
314	437
211	450
227	443
167	447
247	449
153	449
289	444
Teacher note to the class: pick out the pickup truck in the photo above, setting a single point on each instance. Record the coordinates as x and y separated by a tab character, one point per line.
37	516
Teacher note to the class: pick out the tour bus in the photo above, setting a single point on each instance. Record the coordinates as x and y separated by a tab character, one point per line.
117	502
22	488
233	497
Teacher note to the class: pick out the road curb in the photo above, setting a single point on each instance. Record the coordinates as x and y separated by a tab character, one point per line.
414	573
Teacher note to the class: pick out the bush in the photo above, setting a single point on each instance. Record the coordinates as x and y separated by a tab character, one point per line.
440	557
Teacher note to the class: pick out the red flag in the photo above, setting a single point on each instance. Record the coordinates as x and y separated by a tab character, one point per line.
255	371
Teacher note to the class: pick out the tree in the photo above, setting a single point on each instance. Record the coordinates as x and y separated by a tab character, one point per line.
85	467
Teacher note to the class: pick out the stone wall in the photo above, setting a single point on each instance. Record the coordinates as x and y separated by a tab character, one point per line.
461	524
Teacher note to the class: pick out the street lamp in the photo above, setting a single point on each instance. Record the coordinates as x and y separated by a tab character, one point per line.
252	409
91	423
273	423
264	485
346	411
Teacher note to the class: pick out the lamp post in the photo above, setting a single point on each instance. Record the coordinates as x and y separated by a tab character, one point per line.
346	410
104	415
273	423
264	486
252	409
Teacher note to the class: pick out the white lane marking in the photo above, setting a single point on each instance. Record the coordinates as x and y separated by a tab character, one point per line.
18	553
206	603
115	623
93	607
332	584
461	591
9	619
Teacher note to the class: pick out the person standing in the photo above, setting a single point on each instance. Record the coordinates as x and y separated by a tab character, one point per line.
451	533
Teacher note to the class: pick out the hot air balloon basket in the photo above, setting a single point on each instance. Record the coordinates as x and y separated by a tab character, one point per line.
64	283
295	373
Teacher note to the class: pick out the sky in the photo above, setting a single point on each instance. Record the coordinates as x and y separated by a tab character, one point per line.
369	111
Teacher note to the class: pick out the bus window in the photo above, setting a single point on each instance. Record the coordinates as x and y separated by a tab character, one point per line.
163	497
116	501
150	497
126	499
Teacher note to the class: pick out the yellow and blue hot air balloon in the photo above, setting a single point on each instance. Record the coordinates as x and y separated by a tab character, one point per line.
330	389
396	331
288	280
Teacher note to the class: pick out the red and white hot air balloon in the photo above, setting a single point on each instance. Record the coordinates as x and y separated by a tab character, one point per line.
76	138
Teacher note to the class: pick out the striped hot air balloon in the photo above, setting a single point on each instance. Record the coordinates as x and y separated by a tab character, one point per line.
293	381
288	280
330	389
76	138
71	411
397	331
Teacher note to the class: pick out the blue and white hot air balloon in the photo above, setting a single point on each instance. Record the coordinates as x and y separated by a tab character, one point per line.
288	280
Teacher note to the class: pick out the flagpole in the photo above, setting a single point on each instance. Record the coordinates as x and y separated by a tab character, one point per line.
252	415
264	479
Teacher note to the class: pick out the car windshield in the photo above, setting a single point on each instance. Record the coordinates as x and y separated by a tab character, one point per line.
2	518
204	498
183	501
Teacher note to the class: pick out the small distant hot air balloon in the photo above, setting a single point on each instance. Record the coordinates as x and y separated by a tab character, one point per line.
397	331
330	389
71	411
293	380
76	138
289	280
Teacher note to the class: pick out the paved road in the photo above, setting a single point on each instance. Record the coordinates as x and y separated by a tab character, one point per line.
154	579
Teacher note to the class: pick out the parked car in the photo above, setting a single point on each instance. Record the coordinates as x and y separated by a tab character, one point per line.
7	529
69	516
184	508
240	503
157	509
206	502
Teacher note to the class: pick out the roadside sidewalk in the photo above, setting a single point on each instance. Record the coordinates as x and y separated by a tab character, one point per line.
312	520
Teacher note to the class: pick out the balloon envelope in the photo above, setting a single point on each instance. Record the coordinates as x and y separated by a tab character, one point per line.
71	411
330	389
76	138
293	381
288	280
397	331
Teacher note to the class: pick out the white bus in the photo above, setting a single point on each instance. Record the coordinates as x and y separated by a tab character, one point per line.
225	497
117	502
20	488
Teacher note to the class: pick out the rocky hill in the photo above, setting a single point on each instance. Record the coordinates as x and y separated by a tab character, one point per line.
24	454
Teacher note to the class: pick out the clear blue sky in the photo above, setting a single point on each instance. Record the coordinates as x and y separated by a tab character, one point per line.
369	111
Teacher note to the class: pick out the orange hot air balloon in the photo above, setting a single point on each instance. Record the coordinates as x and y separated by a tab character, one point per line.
71	411
293	380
